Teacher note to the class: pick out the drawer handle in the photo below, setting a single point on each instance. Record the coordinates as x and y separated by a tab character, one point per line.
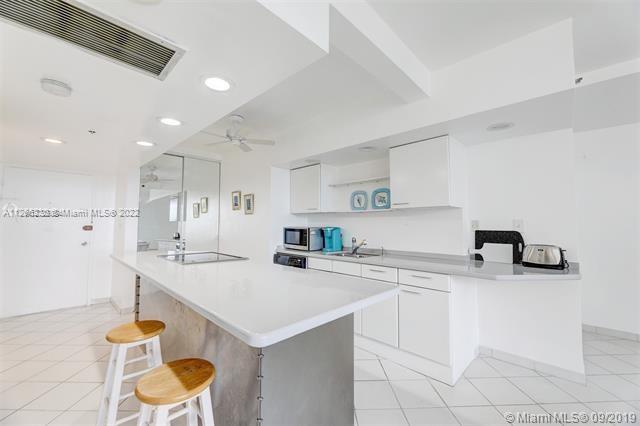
400	204
378	270
311	208
410	291
421	276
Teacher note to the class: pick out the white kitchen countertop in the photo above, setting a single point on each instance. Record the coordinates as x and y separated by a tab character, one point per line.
455	265
260	304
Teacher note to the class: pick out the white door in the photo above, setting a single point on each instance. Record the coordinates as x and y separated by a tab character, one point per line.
45	261
305	189
424	323
420	174
380	321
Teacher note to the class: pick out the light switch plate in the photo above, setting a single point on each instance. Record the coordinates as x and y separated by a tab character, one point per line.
475	224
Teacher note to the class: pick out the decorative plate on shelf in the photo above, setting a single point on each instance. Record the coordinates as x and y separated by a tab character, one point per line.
359	200
381	198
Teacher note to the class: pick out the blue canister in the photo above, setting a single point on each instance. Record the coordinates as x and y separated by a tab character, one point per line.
332	239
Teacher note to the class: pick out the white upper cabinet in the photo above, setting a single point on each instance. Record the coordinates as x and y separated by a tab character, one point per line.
428	173
306	189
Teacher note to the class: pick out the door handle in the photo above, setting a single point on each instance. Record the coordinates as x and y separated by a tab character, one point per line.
84	243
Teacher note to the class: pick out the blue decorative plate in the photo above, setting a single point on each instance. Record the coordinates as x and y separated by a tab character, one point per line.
381	198
359	200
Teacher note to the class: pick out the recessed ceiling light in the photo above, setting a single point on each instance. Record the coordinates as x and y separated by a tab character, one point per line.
54	141
55	87
145	143
500	126
367	148
170	121
218	84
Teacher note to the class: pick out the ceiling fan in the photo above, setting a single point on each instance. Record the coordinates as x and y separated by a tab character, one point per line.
233	136
152	176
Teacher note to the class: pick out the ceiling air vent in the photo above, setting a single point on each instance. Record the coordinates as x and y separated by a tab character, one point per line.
93	31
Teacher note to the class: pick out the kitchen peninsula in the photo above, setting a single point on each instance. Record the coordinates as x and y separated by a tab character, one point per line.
281	338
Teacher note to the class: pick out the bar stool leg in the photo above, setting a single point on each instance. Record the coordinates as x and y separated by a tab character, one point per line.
162	416
192	414
153	349
108	383
114	392
145	415
204	400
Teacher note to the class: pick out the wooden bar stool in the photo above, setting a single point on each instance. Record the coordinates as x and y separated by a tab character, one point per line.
185	381
123	338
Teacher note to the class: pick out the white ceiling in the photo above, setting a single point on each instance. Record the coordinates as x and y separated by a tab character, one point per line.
443	32
123	105
332	85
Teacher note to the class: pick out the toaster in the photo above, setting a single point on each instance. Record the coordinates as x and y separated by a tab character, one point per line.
544	256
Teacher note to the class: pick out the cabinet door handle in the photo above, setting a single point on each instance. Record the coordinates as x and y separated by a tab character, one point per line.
410	291
311	208
377	270
400	204
421	276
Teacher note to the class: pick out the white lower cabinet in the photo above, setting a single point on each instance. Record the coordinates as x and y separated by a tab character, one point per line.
357	322
380	321
424	323
319	264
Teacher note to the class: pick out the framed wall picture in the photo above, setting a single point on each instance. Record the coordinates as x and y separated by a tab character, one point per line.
196	210
204	205
248	204
236	200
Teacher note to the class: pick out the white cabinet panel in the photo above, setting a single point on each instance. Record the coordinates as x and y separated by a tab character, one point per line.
380	321
347	268
380	273
424	279
426	174
306	189
357	322
320	264
424	323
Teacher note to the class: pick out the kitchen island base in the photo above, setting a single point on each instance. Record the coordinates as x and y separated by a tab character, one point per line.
303	380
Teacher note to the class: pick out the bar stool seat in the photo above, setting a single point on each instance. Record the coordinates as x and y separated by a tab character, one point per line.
135	331
184	381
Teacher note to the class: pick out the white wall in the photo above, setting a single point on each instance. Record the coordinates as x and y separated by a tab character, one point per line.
103	197
125	236
531	178
608	188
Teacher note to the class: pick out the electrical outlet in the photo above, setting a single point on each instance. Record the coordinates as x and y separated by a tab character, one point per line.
518	225
475	224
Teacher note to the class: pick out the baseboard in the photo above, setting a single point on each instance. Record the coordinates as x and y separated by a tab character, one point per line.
540	367
100	300
611	332
121	311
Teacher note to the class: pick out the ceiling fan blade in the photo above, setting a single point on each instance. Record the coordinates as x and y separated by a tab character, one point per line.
217	142
261	141
213	134
243	146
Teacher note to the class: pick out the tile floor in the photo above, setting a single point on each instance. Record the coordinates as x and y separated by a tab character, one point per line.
389	394
52	367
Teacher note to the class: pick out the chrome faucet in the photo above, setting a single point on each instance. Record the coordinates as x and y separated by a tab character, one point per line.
181	244
355	247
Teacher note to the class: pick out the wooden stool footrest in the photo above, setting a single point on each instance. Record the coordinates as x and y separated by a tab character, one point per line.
140	358
136	374
128	418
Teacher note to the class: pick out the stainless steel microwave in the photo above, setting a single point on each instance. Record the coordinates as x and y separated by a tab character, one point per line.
302	238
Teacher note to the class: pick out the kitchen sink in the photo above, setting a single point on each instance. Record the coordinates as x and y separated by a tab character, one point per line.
189	258
355	256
